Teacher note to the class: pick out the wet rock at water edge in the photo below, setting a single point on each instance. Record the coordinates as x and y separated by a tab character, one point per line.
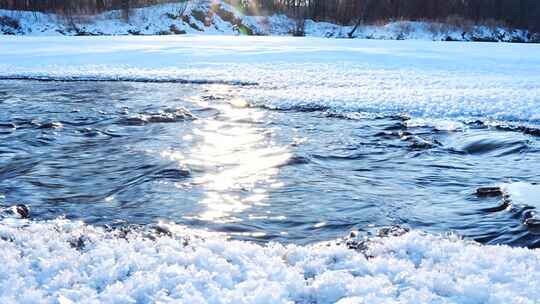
531	219
171	115
79	243
361	241
51	125
533	225
489	192
20	211
394	230
166	116
163	230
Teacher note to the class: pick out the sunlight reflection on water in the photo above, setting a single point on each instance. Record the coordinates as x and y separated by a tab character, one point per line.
238	159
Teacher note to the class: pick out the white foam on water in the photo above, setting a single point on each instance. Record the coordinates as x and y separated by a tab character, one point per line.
44	262
437	124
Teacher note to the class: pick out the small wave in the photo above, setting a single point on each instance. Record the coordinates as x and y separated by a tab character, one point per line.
51	125
521	127
173	174
68	261
396	126
294	161
361	115
529	130
165	116
340	157
89	132
498	144
126	79
18	166
295	107
419	143
8	126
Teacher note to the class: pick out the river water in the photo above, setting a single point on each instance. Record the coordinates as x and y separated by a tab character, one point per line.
122	153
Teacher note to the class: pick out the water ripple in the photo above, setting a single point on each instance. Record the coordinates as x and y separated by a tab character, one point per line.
199	154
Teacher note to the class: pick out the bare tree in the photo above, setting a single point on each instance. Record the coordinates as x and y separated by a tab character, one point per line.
126	9
363	9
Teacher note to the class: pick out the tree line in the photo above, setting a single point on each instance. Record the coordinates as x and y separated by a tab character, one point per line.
79	7
513	13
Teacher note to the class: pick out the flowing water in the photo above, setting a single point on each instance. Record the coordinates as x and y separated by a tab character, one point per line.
118	153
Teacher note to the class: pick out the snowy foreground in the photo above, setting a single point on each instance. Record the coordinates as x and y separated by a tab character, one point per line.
219	18
67	262
63	261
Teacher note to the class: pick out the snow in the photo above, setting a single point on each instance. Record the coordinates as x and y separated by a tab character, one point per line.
526	196
63	261
276	25
155	20
523	193
166	19
438	32
446	80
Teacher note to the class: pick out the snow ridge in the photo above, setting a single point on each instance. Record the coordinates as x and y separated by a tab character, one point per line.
63	261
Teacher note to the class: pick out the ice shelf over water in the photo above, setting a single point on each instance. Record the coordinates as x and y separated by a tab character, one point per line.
523	193
419	78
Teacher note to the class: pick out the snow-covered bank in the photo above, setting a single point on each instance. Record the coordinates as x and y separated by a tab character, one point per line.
214	18
528	195
66	261
163	19
524	193
63	261
417	78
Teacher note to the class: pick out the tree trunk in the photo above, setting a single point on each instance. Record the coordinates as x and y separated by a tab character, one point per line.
361	18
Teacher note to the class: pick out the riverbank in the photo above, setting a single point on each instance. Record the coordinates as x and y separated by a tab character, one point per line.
223	19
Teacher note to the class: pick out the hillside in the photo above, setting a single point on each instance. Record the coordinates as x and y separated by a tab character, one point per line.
223	19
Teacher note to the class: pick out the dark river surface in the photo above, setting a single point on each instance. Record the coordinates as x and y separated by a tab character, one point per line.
117	153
